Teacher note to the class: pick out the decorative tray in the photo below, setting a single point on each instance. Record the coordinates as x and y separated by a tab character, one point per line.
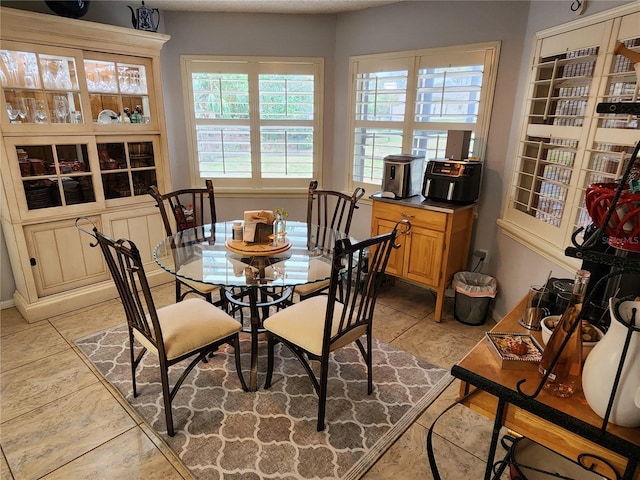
257	249
509	352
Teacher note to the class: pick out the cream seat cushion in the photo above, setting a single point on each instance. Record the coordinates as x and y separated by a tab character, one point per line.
317	269
189	325
303	324
194	270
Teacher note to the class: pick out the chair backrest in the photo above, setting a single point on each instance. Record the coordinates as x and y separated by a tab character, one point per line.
125	265
191	207
356	274
329	210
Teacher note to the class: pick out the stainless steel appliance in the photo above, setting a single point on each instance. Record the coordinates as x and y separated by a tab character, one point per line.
402	176
455	181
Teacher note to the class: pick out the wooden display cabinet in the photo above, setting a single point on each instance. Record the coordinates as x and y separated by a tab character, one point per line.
436	247
69	150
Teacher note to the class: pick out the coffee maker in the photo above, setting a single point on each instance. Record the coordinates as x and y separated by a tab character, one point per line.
402	176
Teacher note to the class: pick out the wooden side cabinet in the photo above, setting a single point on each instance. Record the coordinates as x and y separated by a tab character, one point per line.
436	247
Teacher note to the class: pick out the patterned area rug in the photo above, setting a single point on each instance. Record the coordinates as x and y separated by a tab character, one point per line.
224	433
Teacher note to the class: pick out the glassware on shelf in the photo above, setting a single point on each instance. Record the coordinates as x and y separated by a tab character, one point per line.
10	61
63	78
21	107
40	115
30	78
75	116
564	377
132	79
48	76
12	113
101	76
61	108
58	73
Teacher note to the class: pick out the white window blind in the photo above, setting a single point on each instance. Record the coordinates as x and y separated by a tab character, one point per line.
408	101
565	145
255	122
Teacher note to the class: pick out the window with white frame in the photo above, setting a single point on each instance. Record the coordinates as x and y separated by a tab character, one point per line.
254	123
406	102
565	145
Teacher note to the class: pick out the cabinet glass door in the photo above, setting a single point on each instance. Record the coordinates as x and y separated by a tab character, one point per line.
40	88
55	175
127	168
117	92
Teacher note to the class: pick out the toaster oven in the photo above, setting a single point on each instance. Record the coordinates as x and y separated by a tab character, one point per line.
456	181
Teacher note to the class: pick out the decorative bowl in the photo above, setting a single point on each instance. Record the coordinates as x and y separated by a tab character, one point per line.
586	346
623	227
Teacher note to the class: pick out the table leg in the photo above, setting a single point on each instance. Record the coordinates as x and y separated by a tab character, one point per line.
255	325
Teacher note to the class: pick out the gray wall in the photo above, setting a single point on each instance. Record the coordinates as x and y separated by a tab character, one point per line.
237	34
416	25
402	26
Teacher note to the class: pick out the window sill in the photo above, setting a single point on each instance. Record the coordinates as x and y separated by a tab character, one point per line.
261	192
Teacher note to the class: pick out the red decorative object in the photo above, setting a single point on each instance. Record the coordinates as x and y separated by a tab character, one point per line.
623	227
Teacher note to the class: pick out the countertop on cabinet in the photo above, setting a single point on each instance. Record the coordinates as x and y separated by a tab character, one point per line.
418	201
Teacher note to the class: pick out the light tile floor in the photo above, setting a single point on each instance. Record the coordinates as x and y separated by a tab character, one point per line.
60	420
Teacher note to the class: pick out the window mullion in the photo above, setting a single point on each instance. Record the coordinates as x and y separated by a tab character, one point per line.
255	123
410	108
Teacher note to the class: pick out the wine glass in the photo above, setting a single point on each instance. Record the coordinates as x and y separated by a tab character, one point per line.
41	112
21	107
10	61
62	78
61	108
12	112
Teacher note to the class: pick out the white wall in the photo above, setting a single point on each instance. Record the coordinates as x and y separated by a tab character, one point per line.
402	26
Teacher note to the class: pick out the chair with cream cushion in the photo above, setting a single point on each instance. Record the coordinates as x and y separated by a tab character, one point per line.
319	325
183	209
327	210
190	329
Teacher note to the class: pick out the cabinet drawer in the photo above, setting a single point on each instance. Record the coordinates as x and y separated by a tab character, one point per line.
417	216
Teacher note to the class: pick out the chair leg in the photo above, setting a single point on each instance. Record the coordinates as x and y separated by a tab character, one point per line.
271	343
322	394
369	363
132	359
166	395
178	291
235	342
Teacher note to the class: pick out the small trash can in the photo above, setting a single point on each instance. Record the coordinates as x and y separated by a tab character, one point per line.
474	292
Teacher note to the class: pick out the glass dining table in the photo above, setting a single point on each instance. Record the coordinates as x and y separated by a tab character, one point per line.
258	277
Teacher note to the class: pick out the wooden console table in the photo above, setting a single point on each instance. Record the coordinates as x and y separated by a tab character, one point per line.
567	426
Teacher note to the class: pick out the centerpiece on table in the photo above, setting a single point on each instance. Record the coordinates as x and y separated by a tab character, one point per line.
258	226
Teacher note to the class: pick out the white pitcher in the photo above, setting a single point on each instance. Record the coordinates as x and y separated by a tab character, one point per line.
602	363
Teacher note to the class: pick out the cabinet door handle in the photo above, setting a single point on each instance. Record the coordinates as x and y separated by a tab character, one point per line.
406	215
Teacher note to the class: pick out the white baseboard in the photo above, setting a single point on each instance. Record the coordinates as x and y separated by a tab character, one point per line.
7	304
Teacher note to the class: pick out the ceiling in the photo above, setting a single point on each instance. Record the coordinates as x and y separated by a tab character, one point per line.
265	6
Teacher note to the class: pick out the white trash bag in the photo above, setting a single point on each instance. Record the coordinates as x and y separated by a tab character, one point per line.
474	284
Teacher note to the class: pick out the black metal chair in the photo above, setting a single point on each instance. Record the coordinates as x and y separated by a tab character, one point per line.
190	328
185	209
327	210
315	327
